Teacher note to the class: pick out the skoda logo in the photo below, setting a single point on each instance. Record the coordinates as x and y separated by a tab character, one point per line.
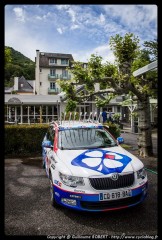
114	176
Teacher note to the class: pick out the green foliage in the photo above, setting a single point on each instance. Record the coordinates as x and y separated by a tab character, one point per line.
70	90
109	69
125	48
119	77
102	103
19	59
113	129
14	92
80	73
147	84
142	60
7	55
24	139
17	66
116	117
127	102
71	105
95	67
152	48
135	115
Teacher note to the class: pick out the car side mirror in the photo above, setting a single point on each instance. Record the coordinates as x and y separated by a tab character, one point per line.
47	144
120	140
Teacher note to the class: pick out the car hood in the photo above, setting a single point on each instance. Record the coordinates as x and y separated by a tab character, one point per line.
101	161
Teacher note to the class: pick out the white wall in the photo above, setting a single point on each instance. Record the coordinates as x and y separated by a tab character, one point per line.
45	82
16	79
43	79
37	72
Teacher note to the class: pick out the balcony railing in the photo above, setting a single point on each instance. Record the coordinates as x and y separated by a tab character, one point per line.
59	64
65	77
53	90
56	76
59	76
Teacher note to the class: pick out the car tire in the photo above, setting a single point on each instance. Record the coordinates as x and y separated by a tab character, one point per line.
52	193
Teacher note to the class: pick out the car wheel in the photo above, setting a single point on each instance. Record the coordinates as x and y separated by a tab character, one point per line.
52	193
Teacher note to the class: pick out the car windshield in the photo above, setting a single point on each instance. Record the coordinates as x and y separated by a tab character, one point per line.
85	138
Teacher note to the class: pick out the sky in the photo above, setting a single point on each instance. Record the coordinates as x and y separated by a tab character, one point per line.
80	30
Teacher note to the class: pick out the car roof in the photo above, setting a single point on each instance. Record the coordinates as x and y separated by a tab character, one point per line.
63	125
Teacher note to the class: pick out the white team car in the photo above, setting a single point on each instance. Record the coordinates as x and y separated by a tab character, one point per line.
89	170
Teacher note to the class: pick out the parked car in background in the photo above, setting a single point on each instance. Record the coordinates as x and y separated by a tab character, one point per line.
88	169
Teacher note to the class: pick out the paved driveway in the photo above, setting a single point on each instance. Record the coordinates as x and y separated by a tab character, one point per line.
131	139
28	210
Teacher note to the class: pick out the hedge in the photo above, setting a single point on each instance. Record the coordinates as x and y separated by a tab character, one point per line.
114	129
24	139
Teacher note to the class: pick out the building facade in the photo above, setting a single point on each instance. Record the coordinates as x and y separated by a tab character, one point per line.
48	101
49	68
31	109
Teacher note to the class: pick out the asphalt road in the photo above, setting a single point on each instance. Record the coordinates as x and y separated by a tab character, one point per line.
131	139
28	210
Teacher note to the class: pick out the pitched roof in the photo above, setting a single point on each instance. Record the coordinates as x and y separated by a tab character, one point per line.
31	82
9	89
24	86
44	58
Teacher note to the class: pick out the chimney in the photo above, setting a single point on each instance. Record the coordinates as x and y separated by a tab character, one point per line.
16	80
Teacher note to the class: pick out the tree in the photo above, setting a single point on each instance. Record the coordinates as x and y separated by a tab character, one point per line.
118	79
17	65
152	48
7	55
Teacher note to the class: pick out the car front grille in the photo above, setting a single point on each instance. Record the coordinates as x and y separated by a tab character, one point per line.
107	183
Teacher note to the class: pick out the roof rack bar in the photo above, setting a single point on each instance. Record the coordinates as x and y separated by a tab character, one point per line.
70	116
99	116
94	116
85	116
80	116
90	116
74	115
64	116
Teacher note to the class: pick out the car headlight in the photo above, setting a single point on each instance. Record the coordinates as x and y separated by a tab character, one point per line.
141	173
71	181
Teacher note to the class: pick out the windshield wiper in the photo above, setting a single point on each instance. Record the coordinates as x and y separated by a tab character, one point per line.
88	147
107	145
73	148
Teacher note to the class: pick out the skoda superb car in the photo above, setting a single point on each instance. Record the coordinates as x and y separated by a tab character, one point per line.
88	169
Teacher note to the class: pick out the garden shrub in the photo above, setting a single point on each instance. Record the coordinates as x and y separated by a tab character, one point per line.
24	139
113	129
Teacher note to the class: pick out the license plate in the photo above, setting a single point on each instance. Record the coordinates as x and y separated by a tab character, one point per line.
115	195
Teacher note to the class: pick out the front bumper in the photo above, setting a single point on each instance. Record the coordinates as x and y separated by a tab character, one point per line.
91	202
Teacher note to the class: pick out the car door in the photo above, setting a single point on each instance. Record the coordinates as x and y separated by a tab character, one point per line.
49	158
46	147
